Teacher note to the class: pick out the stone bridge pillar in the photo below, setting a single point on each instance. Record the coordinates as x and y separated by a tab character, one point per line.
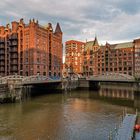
95	85
15	89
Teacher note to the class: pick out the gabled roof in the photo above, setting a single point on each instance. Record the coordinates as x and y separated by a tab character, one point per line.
58	29
89	45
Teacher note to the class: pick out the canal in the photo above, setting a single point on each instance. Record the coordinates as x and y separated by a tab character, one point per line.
74	115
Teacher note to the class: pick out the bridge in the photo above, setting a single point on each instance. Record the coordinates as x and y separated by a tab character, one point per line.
112	77
13	87
25	80
96	80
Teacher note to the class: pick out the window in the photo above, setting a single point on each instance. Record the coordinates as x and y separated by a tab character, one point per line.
130	73
49	73
54	73
59	74
26	73
91	52
26	59
130	68
125	68
38	73
44	73
38	60
90	62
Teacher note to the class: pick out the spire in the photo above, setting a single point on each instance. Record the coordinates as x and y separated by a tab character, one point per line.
58	29
96	41
107	44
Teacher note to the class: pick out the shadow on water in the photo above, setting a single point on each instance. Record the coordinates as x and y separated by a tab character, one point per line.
40	90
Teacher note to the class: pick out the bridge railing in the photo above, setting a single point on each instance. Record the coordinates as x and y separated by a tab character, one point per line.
4	80
112	76
24	79
39	78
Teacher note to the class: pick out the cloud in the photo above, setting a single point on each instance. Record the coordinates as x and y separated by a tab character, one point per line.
110	20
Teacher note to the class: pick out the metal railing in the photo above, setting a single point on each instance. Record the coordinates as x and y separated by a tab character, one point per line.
27	79
112	76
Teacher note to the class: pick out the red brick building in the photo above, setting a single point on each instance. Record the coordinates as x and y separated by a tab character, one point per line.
74	57
30	49
116	58
89	64
121	58
137	57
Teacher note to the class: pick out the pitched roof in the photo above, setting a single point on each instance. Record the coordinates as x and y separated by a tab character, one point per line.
89	45
58	29
124	45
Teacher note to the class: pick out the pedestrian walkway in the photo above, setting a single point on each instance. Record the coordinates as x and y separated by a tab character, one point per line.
125	132
137	136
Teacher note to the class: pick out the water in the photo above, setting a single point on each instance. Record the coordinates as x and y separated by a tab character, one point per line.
75	115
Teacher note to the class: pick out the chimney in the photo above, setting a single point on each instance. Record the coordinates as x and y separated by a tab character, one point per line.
14	26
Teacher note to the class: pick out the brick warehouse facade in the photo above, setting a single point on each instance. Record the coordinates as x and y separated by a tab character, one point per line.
30	49
137	57
116	58
121	58
89	63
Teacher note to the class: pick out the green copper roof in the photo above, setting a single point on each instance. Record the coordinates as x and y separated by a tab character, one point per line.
89	45
124	45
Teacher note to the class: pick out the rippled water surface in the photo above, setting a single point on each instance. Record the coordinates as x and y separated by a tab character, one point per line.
75	115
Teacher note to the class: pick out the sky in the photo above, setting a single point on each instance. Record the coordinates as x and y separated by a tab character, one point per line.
109	20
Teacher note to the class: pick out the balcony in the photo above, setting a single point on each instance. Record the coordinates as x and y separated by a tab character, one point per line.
2	69
2	58
14	62
13	50
2	63
14	56
2	52
2	46
13	69
13	43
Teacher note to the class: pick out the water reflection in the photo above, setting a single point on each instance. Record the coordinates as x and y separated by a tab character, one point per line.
115	92
125	95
